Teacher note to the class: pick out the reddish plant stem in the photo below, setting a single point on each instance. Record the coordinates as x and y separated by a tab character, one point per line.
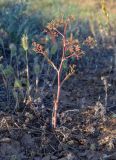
72	55
56	102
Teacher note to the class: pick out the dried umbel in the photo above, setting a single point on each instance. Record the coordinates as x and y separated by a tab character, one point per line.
59	22
53	26
38	48
90	41
73	46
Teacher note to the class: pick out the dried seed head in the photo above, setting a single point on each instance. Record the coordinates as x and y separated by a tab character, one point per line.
73	46
70	19
52	33
72	69
24	41
38	48
52	27
59	22
104	9
90	41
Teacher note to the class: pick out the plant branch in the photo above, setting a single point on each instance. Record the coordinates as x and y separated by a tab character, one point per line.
59	32
51	63
72	55
66	78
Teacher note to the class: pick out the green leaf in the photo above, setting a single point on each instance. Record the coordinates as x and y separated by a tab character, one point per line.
64	66
47	38
17	84
12	47
8	71
114	115
72	59
37	68
67	53
54	49
1	41
1	67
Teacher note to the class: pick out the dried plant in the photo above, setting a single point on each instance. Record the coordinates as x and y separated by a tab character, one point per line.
110	31
90	42
25	47
105	12
106	85
70	48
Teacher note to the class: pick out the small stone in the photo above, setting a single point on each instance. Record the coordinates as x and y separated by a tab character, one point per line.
65	158
37	158
27	140
54	157
46	157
